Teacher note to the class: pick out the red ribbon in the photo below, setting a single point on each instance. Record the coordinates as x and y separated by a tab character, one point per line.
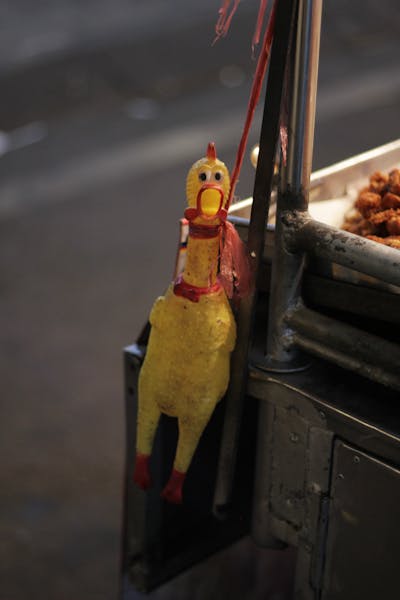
193	292
203	232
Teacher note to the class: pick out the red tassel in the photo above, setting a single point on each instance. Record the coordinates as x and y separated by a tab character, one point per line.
225	19
259	24
235	271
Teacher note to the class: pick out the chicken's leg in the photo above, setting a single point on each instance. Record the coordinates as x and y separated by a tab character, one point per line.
190	430
147	421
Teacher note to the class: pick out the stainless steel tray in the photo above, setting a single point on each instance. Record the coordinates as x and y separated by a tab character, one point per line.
333	191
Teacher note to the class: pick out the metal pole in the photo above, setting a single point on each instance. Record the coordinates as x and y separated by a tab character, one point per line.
348	346
344	248
259	215
304	91
287	267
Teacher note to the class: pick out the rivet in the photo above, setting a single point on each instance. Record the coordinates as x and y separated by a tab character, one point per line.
253	254
356	459
294	437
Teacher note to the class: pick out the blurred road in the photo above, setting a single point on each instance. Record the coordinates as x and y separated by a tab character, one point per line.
104	108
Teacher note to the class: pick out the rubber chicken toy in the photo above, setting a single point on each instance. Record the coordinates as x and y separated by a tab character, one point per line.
186	369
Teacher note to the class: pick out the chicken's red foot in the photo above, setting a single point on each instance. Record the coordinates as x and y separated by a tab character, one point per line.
141	475
173	490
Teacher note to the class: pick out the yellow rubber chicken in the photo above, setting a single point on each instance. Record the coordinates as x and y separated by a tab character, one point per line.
186	369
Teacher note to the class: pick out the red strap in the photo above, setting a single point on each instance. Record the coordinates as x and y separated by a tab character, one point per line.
193	292
254	97
204	232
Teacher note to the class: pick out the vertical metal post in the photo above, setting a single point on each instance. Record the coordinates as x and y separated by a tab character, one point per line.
304	91
295	177
259	215
287	267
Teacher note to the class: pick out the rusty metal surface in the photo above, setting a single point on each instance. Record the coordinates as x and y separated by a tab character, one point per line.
348	346
296	482
287	266
342	247
299	236
348	403
293	462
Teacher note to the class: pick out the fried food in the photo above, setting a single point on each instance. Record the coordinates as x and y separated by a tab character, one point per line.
394	181
390	200
368	203
376	212
378	182
392	240
393	225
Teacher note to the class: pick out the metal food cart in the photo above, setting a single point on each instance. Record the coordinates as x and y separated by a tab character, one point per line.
308	436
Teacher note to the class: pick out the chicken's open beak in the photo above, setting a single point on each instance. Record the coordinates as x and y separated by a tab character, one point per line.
210	201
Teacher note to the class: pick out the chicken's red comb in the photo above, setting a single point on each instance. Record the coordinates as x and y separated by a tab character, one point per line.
211	151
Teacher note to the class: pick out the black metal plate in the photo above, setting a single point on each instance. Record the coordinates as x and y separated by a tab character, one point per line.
362	560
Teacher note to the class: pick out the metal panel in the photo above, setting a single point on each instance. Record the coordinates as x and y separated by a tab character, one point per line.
293	468
362	559
322	403
362	412
288	467
348	346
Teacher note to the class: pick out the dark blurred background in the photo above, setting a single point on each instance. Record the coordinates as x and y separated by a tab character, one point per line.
104	106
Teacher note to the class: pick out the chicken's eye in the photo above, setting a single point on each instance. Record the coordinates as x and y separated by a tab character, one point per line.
218	176
203	176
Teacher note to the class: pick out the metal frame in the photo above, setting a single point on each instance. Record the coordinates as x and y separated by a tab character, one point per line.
301	415
305	416
315	423
298	236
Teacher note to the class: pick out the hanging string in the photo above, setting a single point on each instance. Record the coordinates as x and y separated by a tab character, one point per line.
254	97
259	24
225	19
235	270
